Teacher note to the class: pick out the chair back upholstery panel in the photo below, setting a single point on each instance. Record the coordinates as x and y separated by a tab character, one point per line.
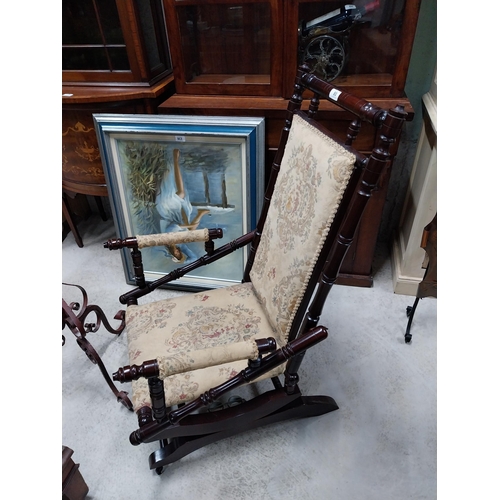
314	173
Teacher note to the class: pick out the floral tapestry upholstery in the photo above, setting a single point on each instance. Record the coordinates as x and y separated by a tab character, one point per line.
173	238
171	329
186	361
314	174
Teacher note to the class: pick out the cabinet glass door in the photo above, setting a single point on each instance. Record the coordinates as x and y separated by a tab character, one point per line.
114	41
92	36
363	47
224	47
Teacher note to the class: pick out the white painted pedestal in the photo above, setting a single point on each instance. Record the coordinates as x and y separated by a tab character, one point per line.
420	204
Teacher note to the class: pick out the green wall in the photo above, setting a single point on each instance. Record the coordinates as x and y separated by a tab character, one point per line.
420	73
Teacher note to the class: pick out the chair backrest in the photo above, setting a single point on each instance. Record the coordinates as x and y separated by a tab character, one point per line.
316	195
315	171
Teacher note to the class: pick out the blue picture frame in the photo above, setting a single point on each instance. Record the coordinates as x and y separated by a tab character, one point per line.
177	173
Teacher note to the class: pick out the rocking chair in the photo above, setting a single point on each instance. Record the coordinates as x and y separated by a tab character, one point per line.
187	352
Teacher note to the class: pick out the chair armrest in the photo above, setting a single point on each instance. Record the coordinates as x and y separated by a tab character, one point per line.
150	431
136	293
165	366
163	239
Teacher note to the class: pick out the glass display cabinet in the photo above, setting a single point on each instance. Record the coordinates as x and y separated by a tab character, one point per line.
252	47
110	41
365	46
115	59
239	58
226	47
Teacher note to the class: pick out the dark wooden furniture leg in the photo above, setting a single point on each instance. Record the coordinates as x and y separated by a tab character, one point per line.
76	323
74	486
428	285
100	207
71	223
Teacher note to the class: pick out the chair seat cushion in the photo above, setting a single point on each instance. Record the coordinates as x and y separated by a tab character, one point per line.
190	323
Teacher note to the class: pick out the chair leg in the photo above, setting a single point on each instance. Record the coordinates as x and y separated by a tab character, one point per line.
410	311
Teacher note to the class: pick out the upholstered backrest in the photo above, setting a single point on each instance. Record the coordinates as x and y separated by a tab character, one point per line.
315	171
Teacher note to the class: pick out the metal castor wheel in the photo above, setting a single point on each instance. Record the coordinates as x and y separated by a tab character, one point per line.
159	470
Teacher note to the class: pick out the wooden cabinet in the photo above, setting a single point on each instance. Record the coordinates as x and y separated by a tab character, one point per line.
253	47
115	59
239	58
81	160
226	48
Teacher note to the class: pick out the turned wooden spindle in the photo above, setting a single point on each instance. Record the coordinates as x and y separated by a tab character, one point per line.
313	106
157	395
128	373
140	279
353	131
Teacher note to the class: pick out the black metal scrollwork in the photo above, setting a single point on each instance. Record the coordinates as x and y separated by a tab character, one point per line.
74	316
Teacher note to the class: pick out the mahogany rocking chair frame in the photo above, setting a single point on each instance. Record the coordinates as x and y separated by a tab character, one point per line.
180	430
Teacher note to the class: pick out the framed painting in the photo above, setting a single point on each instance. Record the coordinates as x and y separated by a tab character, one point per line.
169	173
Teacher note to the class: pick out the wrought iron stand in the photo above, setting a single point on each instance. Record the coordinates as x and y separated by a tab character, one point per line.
74	316
428	285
